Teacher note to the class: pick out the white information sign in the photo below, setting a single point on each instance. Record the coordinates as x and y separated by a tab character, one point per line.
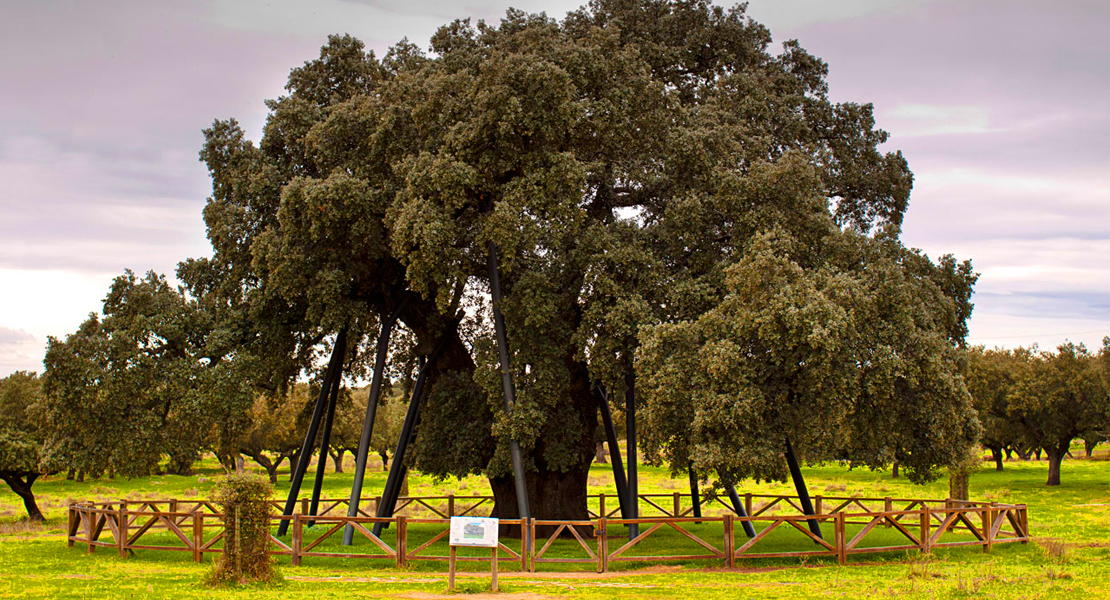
474	531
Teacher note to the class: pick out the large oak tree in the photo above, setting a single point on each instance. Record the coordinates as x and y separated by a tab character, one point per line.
624	161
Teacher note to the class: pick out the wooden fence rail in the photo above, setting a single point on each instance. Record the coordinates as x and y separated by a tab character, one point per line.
196	526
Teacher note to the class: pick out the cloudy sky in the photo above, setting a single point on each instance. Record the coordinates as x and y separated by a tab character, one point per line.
1002	108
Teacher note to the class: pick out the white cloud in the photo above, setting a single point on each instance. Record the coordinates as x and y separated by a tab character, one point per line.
787	15
929	119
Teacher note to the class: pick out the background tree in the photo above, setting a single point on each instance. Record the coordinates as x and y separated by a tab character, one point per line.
620	161
1060	396
273	435
140	383
851	358
22	460
990	378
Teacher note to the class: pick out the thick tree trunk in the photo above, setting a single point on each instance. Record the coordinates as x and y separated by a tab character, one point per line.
271	466
181	464
293	460
1037	453
80	476
996	454
894	470
337	459
385	461
600	454
1009	452
958	481
552	495
1055	457
21	485
1089	447
72	472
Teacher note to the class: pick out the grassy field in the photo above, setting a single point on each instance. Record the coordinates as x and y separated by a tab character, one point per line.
1070	556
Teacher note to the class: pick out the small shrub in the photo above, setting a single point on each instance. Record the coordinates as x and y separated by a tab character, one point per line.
243	499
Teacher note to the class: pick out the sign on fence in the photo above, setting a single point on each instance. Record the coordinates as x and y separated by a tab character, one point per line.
478	532
474	531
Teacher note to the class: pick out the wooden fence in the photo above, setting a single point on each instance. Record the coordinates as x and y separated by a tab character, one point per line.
196	526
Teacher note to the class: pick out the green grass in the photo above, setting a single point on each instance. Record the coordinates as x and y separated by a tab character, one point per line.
1070	556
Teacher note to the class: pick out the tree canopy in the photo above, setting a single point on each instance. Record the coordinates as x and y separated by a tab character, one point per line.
22	436
142	381
652	175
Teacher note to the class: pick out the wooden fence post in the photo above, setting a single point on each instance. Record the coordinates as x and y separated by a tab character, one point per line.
90	517
71	527
987	513
524	545
926	516
121	530
677	505
1024	520
198	535
748	503
888	507
402	541
450	505
601	506
298	537
493	559
841	538
730	542
304	506
532	545
817	501
451	570
603	543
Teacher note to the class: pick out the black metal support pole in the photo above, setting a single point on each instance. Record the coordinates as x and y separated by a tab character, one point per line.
507	382
397	470
368	421
800	485
309	441
329	419
738	507
633	477
614	452
694	499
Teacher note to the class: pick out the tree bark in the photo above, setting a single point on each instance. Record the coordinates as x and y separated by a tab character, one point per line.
996	454
599	453
958	481
555	494
21	485
1089	447
385	461
894	470
271	466
337	459
1055	457
73	472
293	460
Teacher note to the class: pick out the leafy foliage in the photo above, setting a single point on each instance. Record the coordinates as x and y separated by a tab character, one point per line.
21	438
1060	396
636	164
140	383
850	358
244	501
